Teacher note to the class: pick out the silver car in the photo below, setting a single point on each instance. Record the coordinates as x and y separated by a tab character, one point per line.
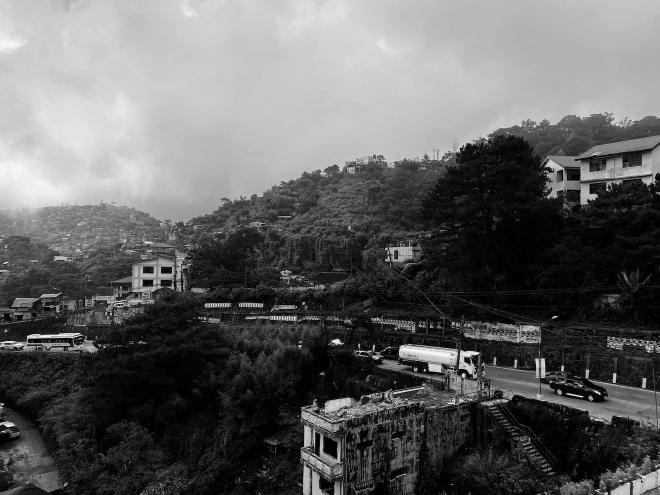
11	345
374	356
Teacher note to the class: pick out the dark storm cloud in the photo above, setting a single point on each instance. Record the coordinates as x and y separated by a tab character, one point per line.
169	105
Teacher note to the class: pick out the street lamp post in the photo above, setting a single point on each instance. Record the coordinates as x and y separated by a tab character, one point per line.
539	396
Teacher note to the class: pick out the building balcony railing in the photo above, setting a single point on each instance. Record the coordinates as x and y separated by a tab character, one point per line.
330	471
320	422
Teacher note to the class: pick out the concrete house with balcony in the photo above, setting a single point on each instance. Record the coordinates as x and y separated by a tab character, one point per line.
564	178
619	162
157	273
383	443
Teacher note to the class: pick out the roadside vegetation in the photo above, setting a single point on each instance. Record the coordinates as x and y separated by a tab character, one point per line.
183	413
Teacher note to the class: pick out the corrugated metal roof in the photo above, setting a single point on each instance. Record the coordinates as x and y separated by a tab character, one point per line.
24	302
564	161
620	147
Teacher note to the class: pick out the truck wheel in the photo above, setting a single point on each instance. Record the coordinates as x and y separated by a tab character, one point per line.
559	391
416	369
464	375
590	397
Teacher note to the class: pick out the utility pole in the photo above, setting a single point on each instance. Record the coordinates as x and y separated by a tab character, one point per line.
655	394
479	377
458	357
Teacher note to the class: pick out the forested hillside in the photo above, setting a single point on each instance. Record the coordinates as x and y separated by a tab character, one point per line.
69	229
573	134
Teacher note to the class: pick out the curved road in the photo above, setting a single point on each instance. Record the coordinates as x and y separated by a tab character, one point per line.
634	403
31	460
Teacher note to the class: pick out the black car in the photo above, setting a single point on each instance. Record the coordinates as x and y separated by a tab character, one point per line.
579	387
391	352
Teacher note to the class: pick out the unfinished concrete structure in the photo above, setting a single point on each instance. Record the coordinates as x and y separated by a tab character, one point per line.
384	443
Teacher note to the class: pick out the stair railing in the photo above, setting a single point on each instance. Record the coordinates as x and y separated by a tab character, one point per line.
532	436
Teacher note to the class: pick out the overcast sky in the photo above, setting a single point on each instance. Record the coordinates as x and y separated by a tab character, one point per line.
169	105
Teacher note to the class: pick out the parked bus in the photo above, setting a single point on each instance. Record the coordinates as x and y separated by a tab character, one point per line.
56	342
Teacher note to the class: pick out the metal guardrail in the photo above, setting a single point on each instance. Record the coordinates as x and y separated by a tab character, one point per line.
532	436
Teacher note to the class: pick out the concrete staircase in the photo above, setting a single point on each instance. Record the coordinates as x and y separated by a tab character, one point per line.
524	440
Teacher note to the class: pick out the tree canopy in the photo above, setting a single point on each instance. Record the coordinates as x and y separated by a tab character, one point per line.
491	215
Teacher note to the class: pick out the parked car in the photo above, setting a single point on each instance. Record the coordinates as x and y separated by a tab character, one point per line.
374	356
11	345
335	343
553	376
8	431
579	387
391	352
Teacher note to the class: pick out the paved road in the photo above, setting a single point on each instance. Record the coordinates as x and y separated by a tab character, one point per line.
30	461
635	403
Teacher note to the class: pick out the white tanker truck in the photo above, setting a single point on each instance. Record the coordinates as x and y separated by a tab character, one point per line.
424	358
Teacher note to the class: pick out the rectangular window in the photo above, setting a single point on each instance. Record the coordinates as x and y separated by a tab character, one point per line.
166	283
330	447
597	188
597	164
632	160
326	486
166	269
396	254
147	283
633	181
573	196
147	269
560	175
573	174
317	443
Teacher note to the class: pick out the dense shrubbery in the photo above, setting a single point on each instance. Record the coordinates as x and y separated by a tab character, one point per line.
585	449
184	413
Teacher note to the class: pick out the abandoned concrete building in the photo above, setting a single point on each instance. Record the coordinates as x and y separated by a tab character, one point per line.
383	443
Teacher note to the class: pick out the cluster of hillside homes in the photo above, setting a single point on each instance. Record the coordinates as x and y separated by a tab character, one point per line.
157	274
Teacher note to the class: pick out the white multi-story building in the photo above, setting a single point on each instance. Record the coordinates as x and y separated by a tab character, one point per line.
158	273
403	253
564	178
614	163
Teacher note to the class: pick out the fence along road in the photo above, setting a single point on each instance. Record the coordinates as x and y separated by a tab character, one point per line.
630	402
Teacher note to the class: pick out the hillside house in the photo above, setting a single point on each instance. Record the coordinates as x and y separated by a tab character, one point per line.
121	287
403	253
359	164
69	304
6	313
27	308
52	303
66	259
157	273
614	163
564	178
160	249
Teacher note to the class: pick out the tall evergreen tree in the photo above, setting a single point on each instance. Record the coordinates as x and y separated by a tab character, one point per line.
492	216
